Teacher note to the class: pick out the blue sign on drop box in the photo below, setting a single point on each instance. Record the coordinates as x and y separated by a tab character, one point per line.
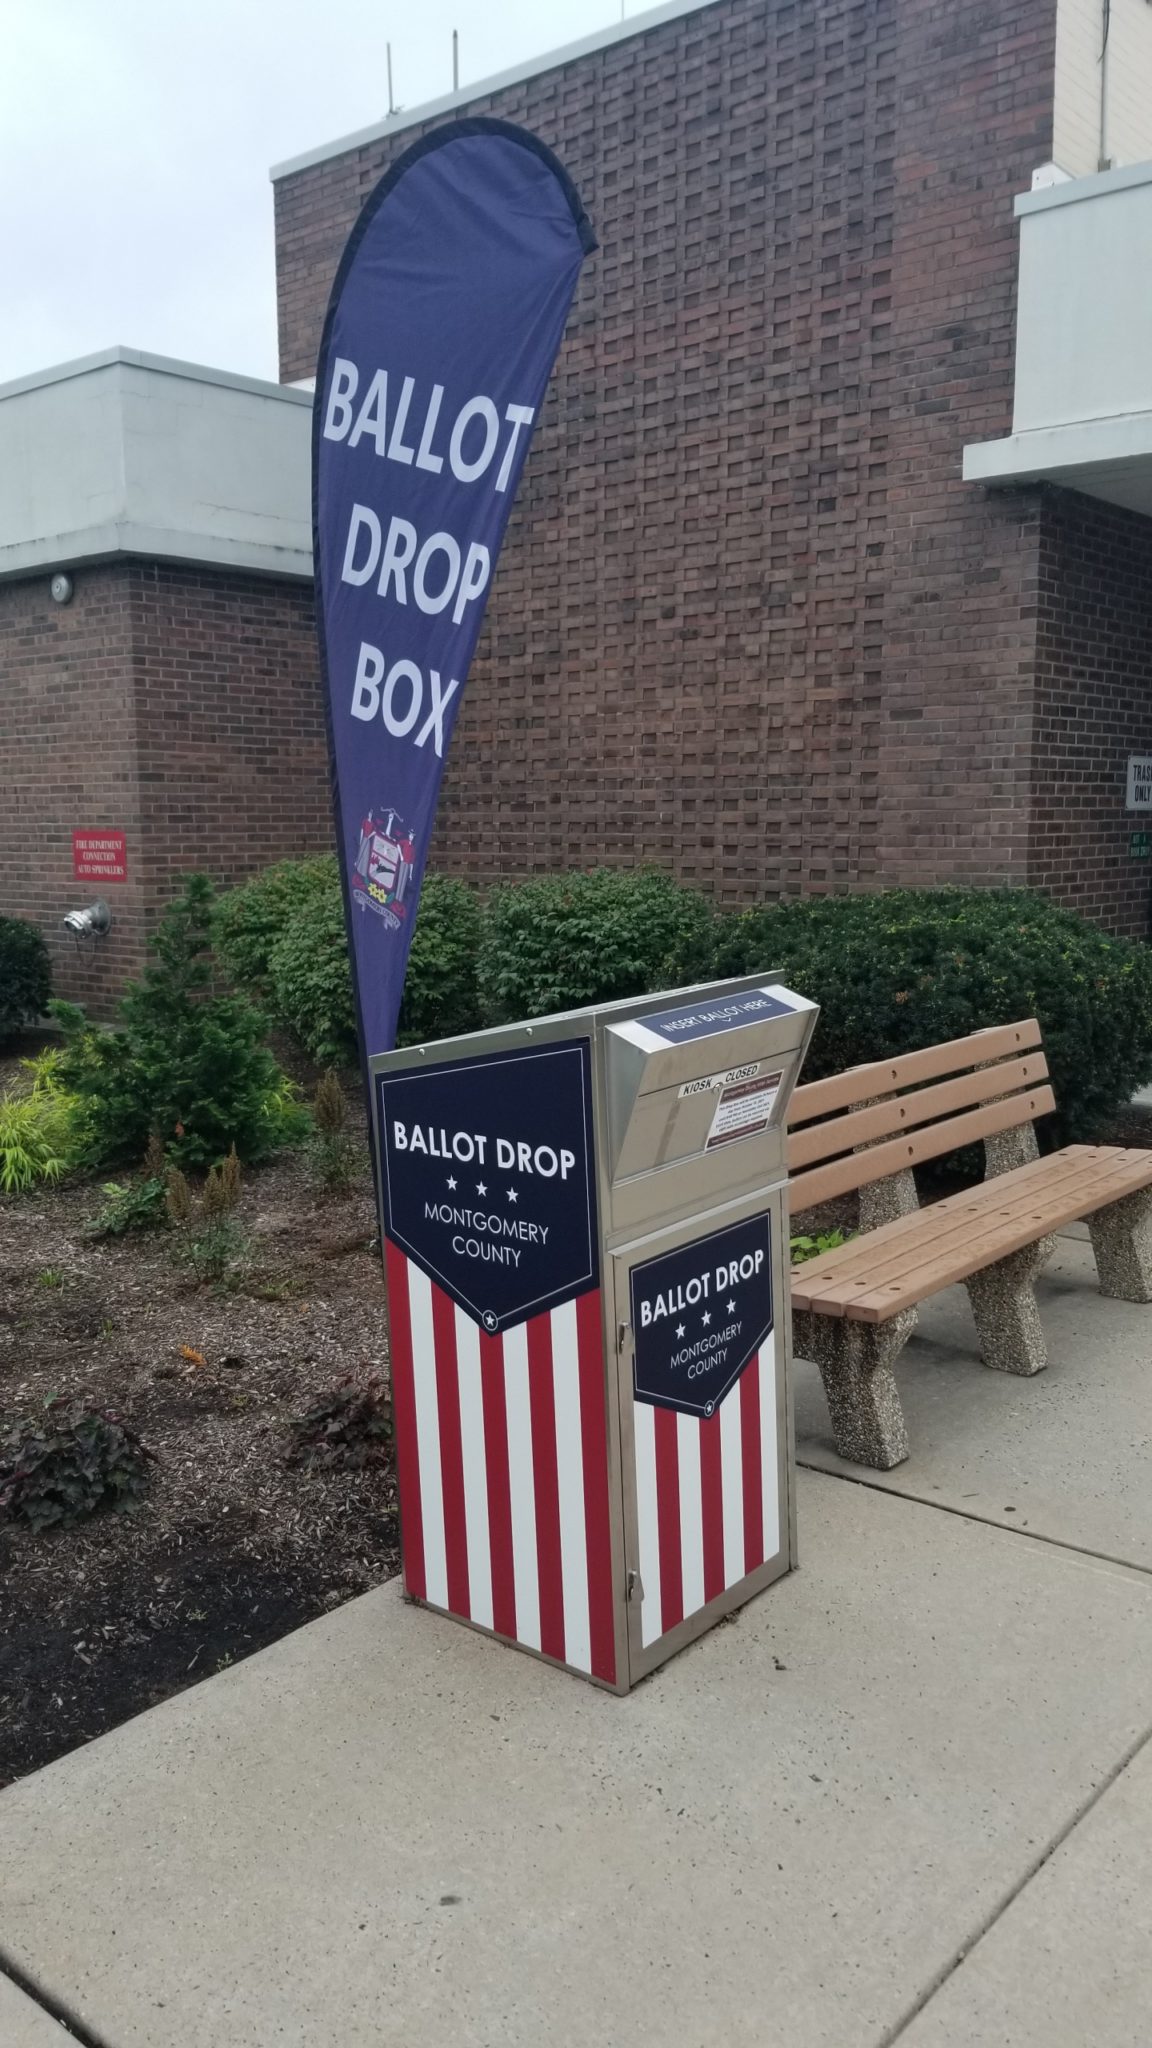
699	1316
487	1171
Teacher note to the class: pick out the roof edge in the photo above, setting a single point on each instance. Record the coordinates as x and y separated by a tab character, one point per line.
550	60
166	366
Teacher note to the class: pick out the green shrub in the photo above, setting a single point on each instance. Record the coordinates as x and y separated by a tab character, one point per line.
25	976
189	1065
564	940
310	980
63	1467
908	967
251	919
441	998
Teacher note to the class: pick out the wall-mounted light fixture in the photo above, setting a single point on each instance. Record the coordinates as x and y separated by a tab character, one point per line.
61	587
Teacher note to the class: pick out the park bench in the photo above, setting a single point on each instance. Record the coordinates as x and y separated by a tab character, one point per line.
864	1130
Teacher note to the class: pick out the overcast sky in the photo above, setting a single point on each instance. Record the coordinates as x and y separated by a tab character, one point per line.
136	137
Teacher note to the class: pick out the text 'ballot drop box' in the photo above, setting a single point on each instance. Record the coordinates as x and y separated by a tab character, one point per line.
586	1244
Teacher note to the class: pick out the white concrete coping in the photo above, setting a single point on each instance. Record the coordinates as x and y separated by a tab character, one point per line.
449	102
1073	191
1108	458
124	453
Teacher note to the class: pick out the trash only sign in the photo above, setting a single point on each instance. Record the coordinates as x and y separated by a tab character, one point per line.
1139	782
699	1316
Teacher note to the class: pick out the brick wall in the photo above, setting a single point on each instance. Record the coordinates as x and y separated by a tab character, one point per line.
1093	708
961	564
179	705
67	763
748	621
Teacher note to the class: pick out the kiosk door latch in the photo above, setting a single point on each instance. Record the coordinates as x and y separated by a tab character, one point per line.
635	1589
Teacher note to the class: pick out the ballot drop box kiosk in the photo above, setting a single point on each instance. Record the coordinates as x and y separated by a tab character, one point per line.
586	1243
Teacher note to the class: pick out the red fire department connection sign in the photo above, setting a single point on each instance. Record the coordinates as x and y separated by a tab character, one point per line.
99	857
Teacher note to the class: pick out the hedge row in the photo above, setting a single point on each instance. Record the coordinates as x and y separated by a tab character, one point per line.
891	971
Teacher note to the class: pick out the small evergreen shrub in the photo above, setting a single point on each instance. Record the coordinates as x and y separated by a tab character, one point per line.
189	1064
25	976
564	940
77	1458
905	968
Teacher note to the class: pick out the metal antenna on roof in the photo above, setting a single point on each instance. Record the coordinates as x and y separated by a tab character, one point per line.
455	60
391	104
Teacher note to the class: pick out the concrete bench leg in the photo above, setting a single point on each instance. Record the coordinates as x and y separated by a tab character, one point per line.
1003	1302
855	1361
1122	1242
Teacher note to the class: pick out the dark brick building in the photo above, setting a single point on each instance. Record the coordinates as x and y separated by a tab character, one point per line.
170	699
749	620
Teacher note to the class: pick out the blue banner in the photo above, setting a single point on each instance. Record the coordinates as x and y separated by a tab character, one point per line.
447	311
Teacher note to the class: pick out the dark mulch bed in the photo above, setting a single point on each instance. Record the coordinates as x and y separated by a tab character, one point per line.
234	1545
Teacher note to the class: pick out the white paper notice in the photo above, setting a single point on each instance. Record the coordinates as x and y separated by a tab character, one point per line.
743	1111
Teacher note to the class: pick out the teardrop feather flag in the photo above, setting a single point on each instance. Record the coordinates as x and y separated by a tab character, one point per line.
445	318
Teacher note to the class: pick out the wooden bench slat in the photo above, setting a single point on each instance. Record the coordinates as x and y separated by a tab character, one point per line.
882	1077
1089	1176
904	1112
823	1183
1077	1183
899	1245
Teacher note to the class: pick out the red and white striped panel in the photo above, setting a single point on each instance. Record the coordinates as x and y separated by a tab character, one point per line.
502	1463
707	1497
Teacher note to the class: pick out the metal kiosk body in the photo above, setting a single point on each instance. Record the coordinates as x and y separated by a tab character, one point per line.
585	1235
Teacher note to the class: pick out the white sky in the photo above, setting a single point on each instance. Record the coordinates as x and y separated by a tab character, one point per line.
136	137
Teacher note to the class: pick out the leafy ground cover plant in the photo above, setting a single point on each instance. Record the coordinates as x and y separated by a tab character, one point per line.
188	1064
25	976
129	1207
60	1467
905	968
345	1430
804	1248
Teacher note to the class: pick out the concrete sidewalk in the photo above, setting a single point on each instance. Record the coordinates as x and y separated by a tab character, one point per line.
903	1796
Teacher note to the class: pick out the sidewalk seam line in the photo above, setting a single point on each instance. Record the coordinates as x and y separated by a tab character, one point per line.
987	1521
1008	1898
55	2008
